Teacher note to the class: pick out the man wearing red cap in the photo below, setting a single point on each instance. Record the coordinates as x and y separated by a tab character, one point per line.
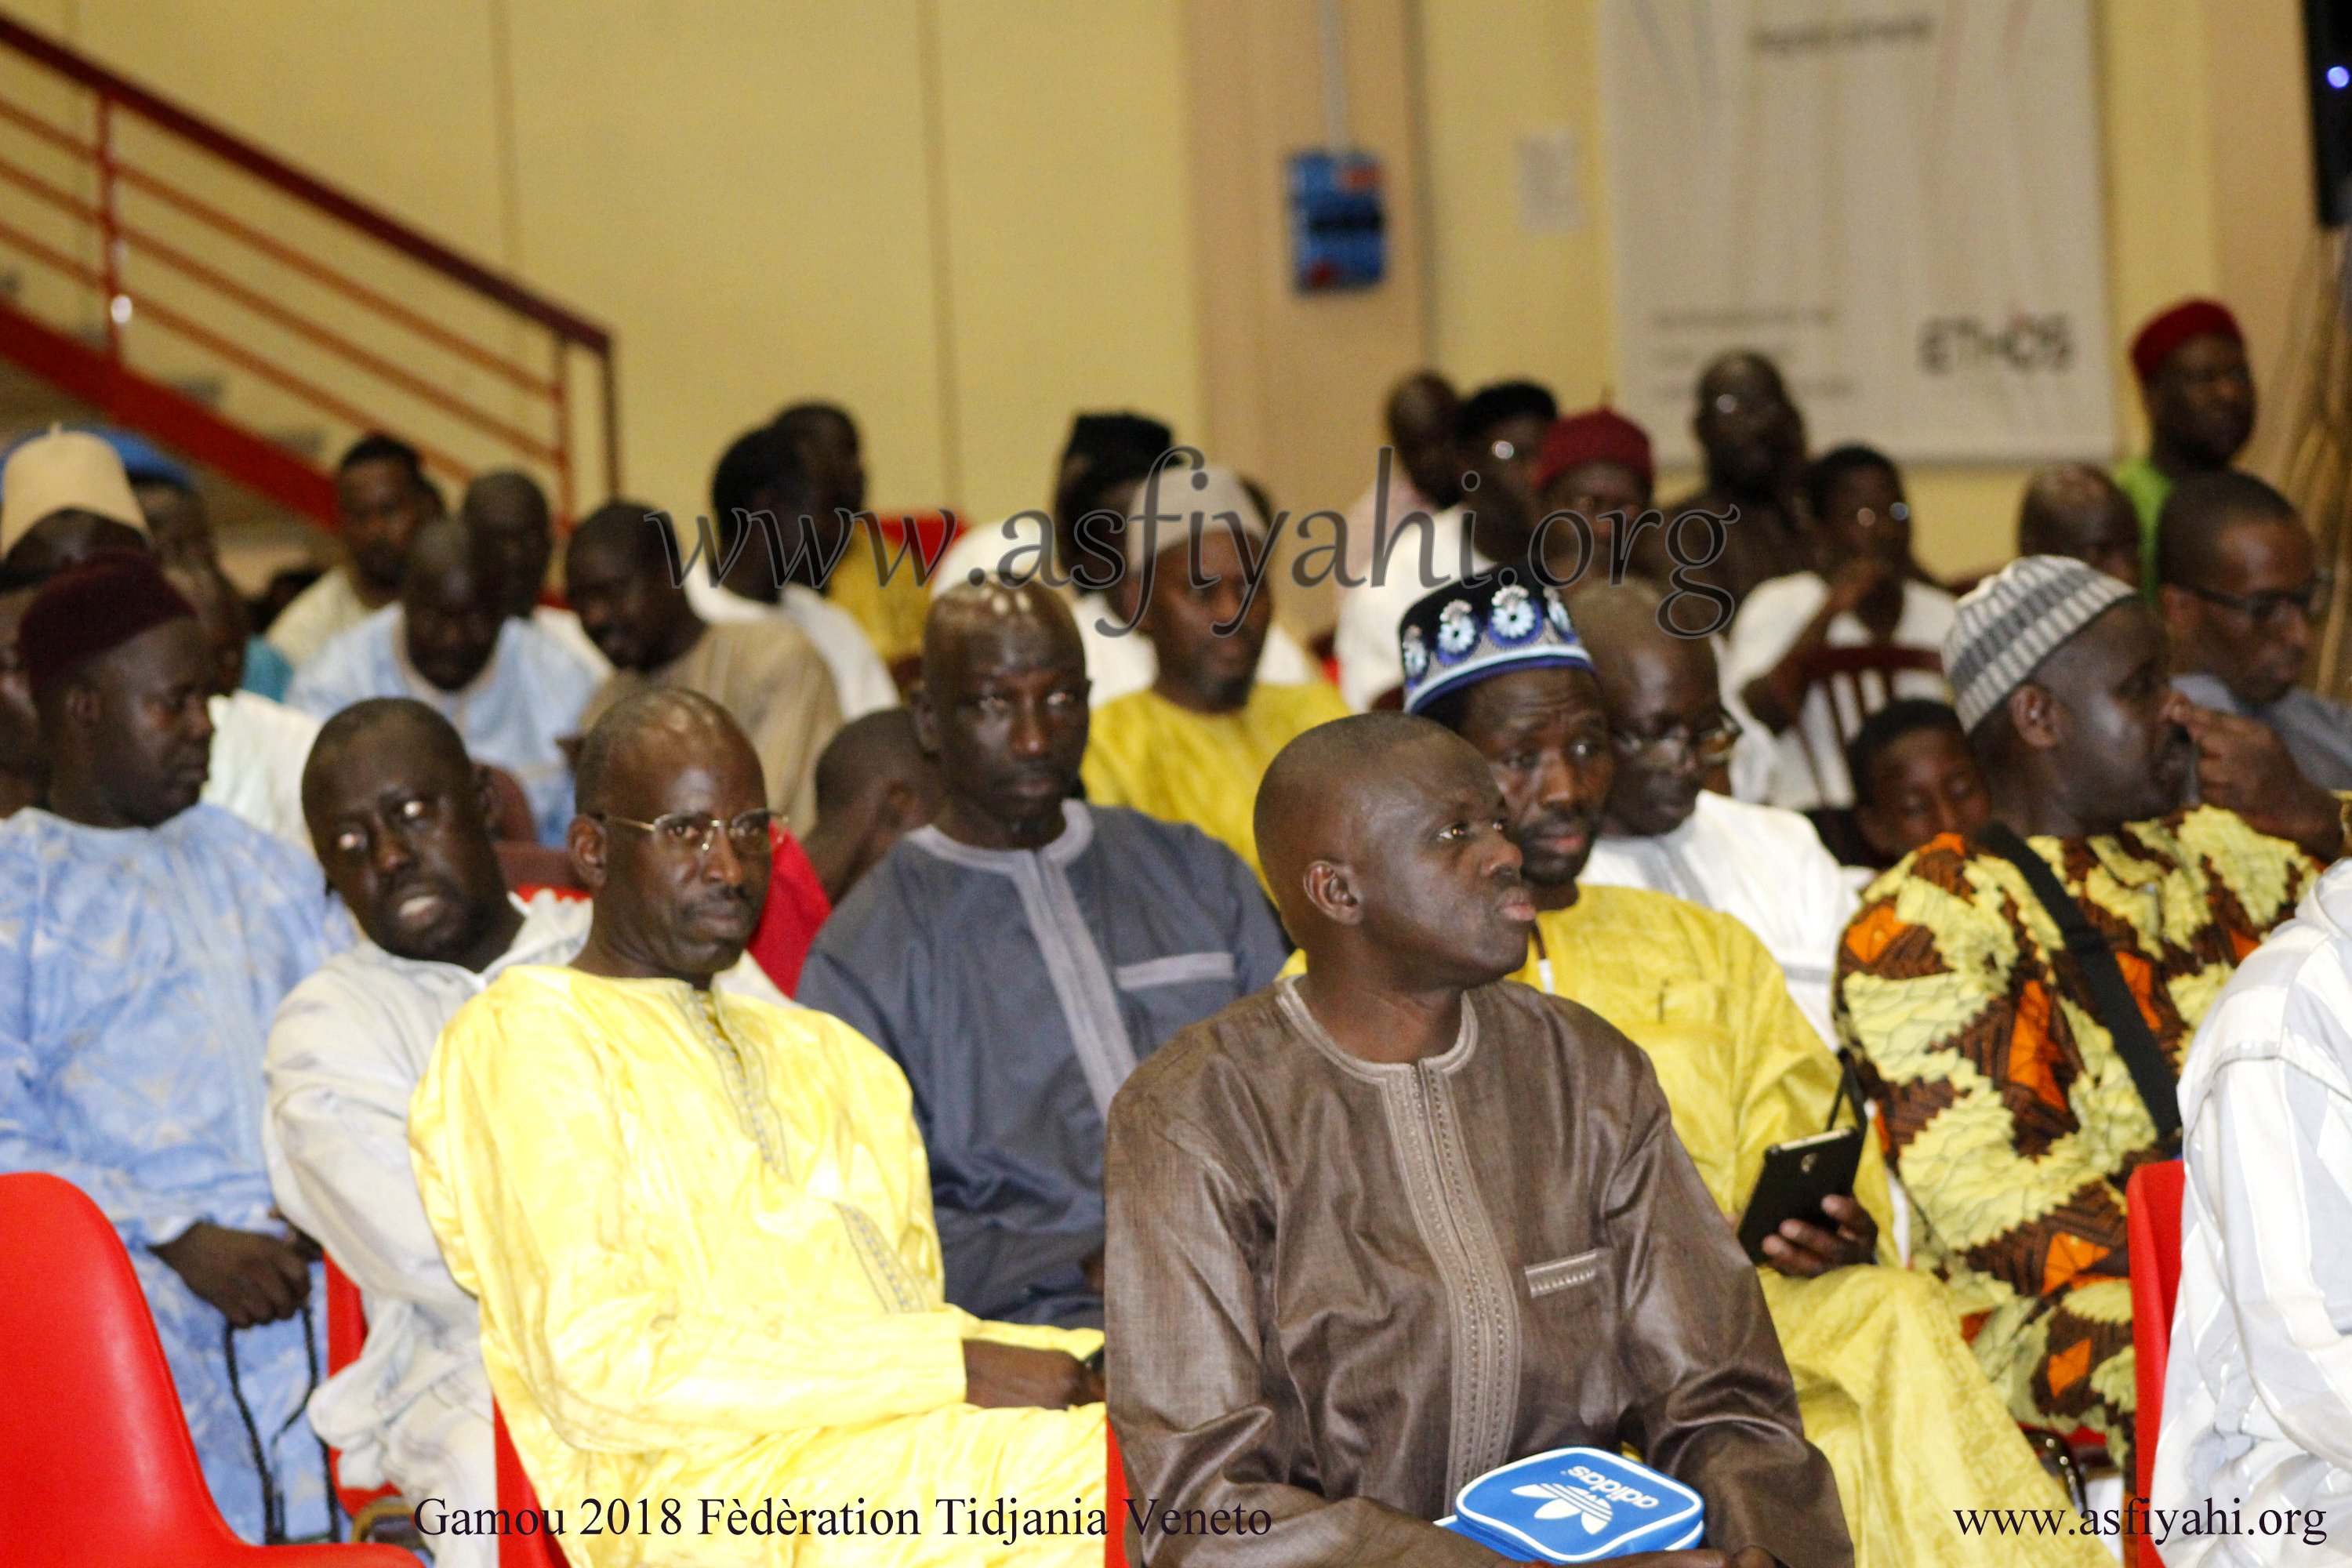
1596	465
2199	397
145	941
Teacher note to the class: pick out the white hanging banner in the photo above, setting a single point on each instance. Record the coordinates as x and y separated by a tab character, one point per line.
1898	200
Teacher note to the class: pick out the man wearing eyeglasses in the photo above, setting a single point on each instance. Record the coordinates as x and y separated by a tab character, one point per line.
1664	830
2241	593
699	1226
1883	1381
400	818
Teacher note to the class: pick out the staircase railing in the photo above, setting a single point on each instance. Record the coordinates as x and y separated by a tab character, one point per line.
193	260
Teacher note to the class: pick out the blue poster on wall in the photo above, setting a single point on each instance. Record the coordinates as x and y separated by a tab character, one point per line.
1338	222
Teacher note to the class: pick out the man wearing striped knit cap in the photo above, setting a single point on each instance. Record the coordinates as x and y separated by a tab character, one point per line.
2021	1075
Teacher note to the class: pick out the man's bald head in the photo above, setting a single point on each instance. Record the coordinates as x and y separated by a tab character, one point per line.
400	818
867	754
1663	696
1003	708
874	785
1307	803
1384	838
641	738
221	614
617	573
678	895
984	620
510	509
2076	510
452	603
2241	588
507	498
378	726
2193	532
1419	415
1749	429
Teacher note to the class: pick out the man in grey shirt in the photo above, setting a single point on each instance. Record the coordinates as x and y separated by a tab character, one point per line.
2240	593
1019	955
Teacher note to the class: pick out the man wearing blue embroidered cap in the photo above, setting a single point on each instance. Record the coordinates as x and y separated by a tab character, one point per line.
1885	1382
1389	1226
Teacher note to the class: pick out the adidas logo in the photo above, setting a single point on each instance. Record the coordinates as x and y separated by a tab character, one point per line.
1609	1487
1562	1501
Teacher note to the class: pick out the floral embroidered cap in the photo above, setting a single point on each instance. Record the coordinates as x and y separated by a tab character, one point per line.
1465	632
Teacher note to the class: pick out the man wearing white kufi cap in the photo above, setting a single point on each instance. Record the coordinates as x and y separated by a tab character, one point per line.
2022	1076
63	498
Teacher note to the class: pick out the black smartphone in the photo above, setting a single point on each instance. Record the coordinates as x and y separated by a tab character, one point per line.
1797	1176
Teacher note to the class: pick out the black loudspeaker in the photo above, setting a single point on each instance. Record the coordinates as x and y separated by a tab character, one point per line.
2328	53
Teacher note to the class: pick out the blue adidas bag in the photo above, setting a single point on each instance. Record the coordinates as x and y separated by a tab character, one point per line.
1577	1505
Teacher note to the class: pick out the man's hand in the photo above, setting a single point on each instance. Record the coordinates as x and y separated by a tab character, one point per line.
1856	580
1802	1250
2243	766
999	1376
246	1276
1092	1268
1745	1557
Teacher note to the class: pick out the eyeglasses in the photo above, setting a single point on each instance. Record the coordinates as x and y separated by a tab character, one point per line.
1711	746
691	833
2269	611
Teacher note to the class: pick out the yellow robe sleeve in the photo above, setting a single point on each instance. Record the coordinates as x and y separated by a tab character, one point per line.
1790	1078
919	1249
629	1331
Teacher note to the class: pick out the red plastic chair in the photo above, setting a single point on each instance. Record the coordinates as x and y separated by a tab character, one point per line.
101	1472
516	1549
1115	1501
2152	1208
1857	682
346	1336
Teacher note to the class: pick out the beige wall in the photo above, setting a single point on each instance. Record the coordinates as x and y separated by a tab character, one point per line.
966	218
962	219
2209	178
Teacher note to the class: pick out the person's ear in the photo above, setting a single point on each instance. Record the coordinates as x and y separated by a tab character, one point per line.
2038	717
1330	888
927	722
81	705
588	842
485	798
897	804
2179	610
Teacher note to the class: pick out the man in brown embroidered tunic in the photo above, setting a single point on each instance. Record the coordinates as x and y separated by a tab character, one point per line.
1384	1227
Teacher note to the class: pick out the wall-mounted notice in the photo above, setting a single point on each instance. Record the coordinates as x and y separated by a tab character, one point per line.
1898	200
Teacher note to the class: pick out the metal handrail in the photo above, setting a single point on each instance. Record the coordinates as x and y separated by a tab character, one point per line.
119	242
307	189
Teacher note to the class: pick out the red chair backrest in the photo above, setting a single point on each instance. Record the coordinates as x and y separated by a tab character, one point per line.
99	1469
1858	682
346	1320
91	1437
2152	1206
516	1494
1115	1494
346	1337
